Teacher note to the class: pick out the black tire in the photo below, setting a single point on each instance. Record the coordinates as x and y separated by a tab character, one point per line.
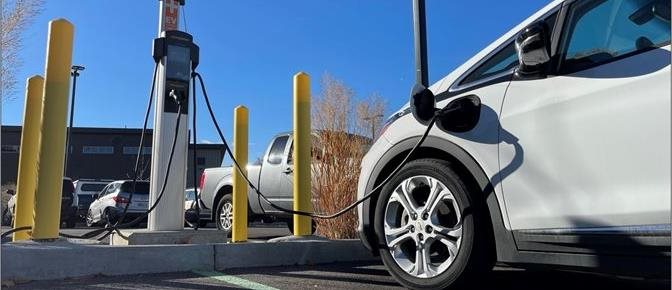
89	219
226	199
471	258
109	218
290	226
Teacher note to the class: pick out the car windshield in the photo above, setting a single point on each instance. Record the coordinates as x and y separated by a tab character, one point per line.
141	187
92	187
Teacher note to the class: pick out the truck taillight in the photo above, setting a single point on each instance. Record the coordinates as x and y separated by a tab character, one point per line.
120	199
201	182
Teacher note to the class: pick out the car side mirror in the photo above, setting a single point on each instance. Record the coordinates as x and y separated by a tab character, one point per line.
460	115
532	46
95	196
423	104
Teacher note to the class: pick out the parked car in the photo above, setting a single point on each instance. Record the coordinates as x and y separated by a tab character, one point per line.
68	206
84	191
567	164
109	203
272	174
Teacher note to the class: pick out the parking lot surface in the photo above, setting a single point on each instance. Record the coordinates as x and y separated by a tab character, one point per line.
337	276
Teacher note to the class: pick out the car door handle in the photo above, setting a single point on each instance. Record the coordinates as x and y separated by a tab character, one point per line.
288	170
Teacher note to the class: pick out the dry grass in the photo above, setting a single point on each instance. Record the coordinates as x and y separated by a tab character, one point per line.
338	151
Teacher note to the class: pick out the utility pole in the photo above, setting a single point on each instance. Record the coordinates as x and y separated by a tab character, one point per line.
372	119
74	73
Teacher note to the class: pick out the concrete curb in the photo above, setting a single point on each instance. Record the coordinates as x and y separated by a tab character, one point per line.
62	259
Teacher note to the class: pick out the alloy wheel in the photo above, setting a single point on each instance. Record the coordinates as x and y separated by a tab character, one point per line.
226	216
423	226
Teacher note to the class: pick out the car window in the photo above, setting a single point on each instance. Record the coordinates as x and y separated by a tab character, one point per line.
600	31
92	187
189	195
111	189
104	190
503	60
141	187
277	150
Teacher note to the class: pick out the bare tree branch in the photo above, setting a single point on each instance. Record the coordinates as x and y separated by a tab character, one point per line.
15	18
337	152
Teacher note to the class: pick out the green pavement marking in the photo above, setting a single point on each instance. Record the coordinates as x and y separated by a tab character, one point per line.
234	280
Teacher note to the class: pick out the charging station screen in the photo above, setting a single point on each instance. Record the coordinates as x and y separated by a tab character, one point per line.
178	66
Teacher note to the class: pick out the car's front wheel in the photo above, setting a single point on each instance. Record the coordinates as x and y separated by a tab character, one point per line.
224	214
89	219
425	222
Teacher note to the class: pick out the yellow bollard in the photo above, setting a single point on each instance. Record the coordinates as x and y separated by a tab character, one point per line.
30	146
240	130
302	143
54	117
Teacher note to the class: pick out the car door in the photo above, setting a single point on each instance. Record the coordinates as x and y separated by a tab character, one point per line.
275	179
106	200
593	145
97	204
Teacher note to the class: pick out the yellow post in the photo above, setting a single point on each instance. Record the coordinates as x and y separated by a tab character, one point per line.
302	144
240	130
30	146
54	117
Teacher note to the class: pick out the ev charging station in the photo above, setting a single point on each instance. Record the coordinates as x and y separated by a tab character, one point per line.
176	55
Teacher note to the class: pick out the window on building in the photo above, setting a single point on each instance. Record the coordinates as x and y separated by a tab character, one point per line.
10	148
133	150
97	149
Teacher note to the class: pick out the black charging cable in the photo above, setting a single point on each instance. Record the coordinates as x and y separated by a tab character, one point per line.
196	206
373	191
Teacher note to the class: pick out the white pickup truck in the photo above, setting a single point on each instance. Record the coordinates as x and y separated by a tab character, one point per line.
272	175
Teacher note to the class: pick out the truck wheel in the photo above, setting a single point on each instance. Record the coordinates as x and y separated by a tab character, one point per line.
430	230
224	214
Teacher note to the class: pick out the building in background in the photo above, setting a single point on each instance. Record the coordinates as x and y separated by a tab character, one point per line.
105	153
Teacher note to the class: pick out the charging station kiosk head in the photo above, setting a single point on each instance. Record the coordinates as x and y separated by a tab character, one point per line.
181	58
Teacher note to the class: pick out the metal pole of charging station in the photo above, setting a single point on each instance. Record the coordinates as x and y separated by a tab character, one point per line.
169	213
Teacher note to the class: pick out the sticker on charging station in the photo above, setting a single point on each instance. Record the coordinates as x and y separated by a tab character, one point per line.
170	14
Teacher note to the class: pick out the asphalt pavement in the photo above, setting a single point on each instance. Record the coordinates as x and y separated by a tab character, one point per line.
338	276
370	275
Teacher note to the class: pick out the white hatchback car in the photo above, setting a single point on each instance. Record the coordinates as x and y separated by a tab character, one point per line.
108	205
566	162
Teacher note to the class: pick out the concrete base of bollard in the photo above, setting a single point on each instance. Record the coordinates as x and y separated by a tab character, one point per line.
25	261
146	237
297	239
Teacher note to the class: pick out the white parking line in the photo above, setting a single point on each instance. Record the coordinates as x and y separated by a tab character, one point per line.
234	280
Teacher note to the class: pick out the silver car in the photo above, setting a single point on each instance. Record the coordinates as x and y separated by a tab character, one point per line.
109	204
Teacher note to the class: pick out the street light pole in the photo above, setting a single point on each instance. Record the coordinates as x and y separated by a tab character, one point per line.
74	73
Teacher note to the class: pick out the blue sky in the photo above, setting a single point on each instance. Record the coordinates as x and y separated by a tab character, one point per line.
251	49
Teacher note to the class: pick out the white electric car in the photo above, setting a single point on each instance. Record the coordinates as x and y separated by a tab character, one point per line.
566	164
